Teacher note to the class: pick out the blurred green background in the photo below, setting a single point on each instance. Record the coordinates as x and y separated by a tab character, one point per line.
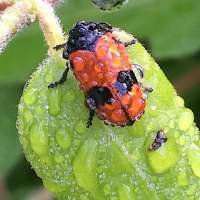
170	30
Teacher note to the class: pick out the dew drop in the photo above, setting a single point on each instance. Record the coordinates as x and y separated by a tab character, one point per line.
125	192
48	77
39	139
182	140
102	51
83	197
28	117
179	102
69	97
29	96
185	120
54	101
194	158
182	179
172	124
84	166
162	159
63	138
78	64
58	158
80	127
54	187
107	189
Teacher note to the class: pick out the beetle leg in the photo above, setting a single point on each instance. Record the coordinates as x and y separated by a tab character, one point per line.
126	44
146	89
133	41
59	46
90	118
91	104
62	79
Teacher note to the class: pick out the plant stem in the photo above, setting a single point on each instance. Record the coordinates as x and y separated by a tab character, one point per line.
13	19
49	23
20	14
53	2
5	4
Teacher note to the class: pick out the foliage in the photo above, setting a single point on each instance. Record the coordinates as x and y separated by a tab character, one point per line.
168	29
104	162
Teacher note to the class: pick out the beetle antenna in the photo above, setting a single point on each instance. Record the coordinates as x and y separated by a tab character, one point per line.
59	46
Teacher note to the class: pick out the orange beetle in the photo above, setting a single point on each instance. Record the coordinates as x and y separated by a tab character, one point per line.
100	63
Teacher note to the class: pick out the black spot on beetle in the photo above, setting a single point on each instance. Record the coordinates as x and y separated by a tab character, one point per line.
98	96
125	81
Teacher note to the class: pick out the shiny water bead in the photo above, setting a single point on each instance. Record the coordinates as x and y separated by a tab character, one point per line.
85	77
110	106
30	97
97	68
100	76
91	62
102	51
117	62
109	57
164	158
132	111
63	138
78	63
135	90
91	84
118	115
182	179
125	99
185	119
137	104
39	139
113	48
193	156
109	76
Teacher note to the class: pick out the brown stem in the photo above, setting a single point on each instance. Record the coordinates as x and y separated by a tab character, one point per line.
53	2
3	191
50	24
5	4
20	14
185	83
41	194
13	19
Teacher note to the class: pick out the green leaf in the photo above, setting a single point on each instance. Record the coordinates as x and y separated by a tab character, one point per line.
84	166
109	4
21	181
10	149
170	27
24	52
192	99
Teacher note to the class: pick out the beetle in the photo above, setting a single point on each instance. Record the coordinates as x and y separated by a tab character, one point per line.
101	64
159	140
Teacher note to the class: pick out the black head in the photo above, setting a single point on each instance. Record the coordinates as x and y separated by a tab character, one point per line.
83	35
